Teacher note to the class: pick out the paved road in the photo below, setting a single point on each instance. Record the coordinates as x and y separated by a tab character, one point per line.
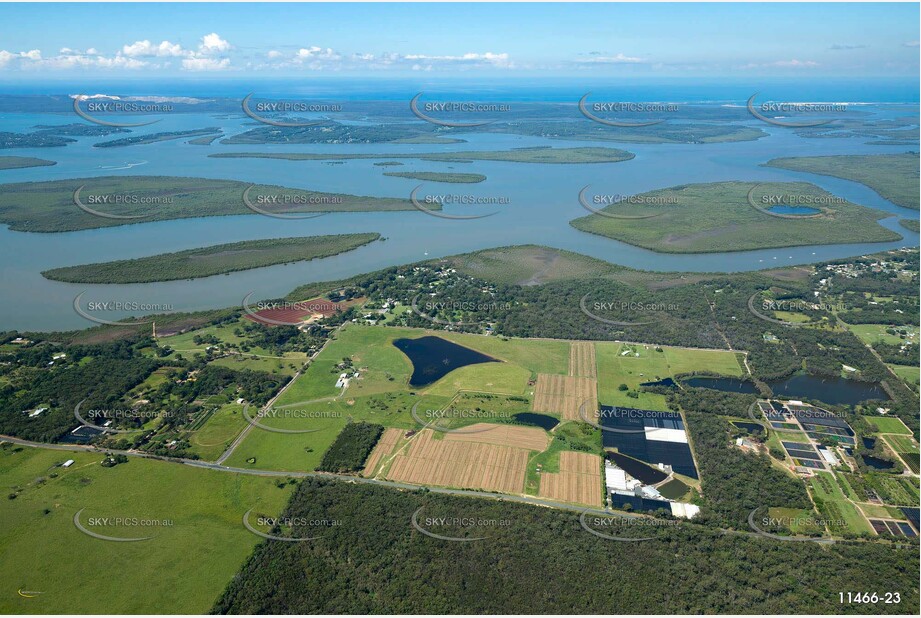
470	493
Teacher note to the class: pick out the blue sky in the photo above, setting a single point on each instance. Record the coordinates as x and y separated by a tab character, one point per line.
476	40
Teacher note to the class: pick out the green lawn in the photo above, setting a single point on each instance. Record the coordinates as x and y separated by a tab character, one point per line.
218	432
888	424
285	366
181	570
304	451
873	333
908	373
616	368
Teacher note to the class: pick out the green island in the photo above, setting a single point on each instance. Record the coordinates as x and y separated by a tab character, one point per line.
712	217
894	177
331	132
153	138
15	163
213	260
205	140
664	133
539	154
439	176
909	224
49	206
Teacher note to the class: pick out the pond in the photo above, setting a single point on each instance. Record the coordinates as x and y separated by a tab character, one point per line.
829	390
543	421
749	427
730	385
434	357
793	210
876	463
637	469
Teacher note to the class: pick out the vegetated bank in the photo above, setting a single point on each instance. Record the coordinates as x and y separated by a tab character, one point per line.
439	176
893	176
213	260
538	154
15	163
49	206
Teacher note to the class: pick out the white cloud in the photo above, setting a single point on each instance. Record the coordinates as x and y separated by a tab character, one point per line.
213	44
205	64
787	64
912	44
273	54
147	49
795	63
616	59
316	53
7	57
846	46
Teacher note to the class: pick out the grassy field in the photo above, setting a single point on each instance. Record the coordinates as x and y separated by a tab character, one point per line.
910	224
888	424
713	217
15	163
836	507
218	432
895	177
287	365
381	394
213	260
515	155
643	363
873	333
181	570
908	373
451	177
49	206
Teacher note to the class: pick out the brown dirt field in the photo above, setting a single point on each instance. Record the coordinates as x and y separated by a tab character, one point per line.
579	479
457	463
582	359
530	438
564	395
384	447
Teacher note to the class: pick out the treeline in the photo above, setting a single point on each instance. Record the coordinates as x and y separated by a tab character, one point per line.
351	448
375	562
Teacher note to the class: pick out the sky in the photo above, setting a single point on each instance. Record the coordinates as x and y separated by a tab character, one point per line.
475	40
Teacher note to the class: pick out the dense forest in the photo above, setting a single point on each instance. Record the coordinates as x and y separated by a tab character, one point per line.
351	448
733	482
377	563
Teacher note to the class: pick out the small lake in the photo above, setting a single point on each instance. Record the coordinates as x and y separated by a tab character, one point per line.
793	210
876	463
434	357
543	421
828	390
749	427
667	382
729	385
637	469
